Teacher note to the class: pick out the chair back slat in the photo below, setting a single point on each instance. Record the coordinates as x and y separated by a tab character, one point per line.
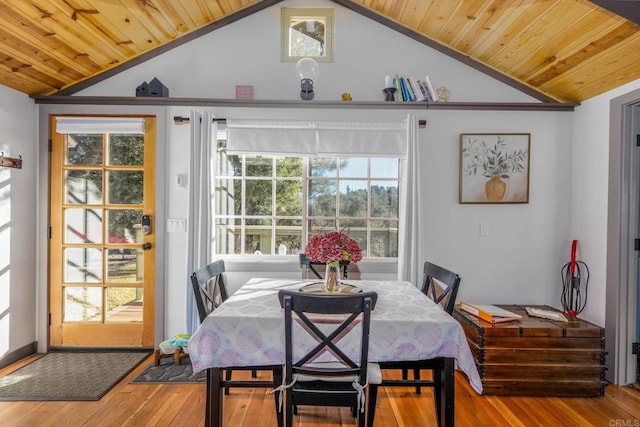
441	285
305	308
209	288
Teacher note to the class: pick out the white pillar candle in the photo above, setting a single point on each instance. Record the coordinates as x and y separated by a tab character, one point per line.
388	81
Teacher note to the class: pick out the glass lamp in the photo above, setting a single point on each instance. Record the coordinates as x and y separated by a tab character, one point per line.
308	71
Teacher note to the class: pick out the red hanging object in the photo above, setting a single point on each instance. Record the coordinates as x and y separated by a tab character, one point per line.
574	294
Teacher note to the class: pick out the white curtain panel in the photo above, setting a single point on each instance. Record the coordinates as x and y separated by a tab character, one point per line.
411	231
199	210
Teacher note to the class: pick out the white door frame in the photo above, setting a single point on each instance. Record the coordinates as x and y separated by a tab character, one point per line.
623	227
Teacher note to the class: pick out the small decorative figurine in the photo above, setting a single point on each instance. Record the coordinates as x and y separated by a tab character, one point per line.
443	94
346	96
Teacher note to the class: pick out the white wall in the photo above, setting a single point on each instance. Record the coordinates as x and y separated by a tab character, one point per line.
17	218
589	192
520	260
247	52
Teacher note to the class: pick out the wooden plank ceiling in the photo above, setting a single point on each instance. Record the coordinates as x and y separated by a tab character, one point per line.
559	50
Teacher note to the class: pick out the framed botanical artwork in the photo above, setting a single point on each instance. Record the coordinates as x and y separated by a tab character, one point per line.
494	167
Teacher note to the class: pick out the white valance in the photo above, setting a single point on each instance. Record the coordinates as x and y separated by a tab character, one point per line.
99	124
317	138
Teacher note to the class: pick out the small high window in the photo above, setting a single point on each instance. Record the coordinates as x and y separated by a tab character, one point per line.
307	33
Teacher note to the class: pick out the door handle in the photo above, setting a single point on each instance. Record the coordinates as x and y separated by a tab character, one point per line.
146	246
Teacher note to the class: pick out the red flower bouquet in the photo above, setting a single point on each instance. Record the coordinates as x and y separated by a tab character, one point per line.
331	248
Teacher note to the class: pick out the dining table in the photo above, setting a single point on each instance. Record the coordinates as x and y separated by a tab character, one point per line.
247	330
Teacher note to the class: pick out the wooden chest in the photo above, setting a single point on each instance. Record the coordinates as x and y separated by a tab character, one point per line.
537	357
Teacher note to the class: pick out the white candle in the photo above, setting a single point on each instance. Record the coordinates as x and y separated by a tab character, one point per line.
388	81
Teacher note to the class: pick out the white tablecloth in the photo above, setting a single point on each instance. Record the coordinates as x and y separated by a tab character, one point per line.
248	328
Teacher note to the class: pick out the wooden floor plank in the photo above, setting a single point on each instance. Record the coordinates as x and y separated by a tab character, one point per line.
183	405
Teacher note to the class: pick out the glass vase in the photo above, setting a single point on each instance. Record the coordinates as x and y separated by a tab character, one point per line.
332	277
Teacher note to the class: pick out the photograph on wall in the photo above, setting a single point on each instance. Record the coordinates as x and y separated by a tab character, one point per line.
494	167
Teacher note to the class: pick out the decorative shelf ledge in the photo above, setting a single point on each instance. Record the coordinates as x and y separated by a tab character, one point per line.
265	103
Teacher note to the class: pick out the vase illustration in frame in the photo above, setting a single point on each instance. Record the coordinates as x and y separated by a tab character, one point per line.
494	168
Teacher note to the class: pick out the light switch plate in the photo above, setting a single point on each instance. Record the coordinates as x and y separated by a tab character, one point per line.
176	225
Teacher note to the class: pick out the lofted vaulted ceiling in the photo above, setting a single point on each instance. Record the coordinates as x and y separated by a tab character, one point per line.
555	50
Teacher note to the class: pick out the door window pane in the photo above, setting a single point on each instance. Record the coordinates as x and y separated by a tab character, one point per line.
83	149
83	226
83	265
83	187
125	187
124	265
126	149
82	304
124	304
125	225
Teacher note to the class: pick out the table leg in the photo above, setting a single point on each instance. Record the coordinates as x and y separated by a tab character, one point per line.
277	380
213	412
447	396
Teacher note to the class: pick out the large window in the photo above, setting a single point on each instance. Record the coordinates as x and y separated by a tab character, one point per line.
271	205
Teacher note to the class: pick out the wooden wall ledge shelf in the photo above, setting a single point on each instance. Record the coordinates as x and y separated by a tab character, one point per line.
265	103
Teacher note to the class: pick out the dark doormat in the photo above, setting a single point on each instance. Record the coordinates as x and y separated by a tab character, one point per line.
69	375
168	372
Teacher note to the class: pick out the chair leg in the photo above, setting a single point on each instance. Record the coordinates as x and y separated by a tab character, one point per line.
288	417
416	376
371	404
405	374
437	393
227	377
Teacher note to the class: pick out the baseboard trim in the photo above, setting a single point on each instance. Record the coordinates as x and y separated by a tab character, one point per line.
18	354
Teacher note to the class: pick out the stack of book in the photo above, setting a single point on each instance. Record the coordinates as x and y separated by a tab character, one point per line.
489	313
412	89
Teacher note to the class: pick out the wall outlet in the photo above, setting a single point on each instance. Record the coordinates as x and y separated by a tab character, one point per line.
484	228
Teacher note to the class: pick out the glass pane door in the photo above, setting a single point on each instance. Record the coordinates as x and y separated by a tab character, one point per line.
101	255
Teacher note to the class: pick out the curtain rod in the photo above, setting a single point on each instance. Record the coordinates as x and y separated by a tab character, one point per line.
422	124
185	120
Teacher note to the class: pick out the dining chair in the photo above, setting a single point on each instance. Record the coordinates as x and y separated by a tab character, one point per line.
210	290
343	382
316	269
440	285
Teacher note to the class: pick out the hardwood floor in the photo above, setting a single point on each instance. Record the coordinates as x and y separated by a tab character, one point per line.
183	405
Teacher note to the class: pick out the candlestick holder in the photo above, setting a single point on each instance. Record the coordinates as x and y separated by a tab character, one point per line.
388	93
